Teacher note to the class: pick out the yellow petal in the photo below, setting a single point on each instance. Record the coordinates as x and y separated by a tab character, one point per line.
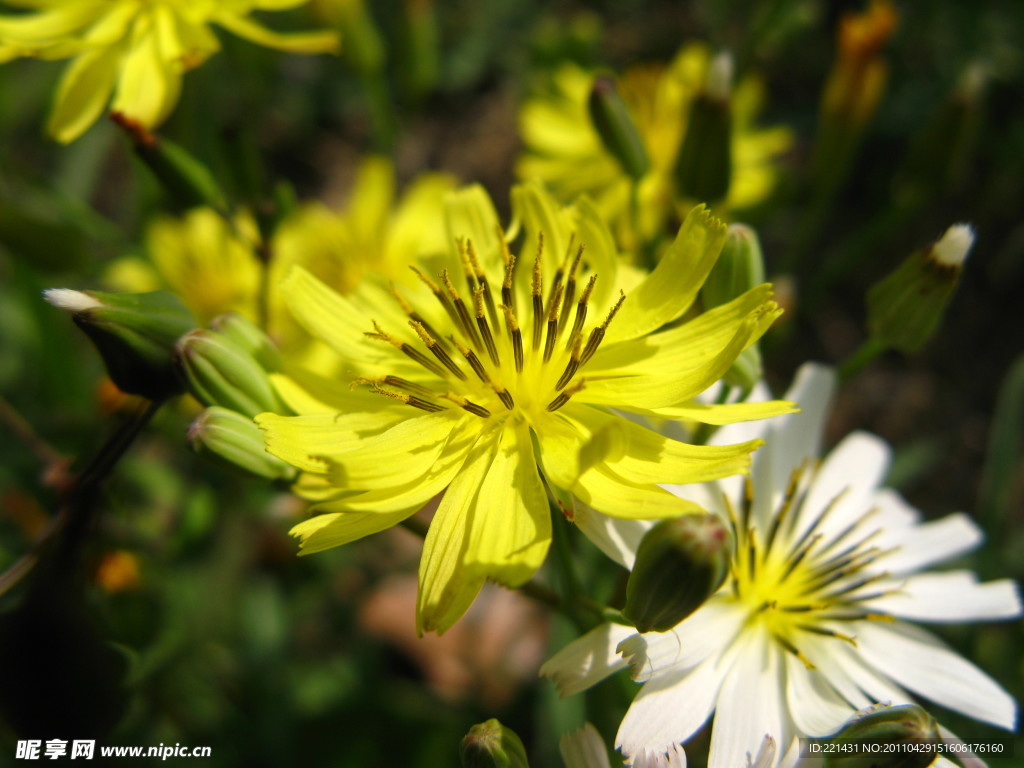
607	492
149	84
298	42
334	529
672	286
446	586
469	214
729	413
83	93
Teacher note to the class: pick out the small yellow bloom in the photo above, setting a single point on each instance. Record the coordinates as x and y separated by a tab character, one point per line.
213	266
133	53
564	150
492	379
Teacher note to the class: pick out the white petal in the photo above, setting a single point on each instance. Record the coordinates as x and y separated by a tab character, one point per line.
894	513
708	630
932	542
814	706
845	484
669	709
749	706
674	758
918	660
846	662
587	660
616	537
765	757
951	596
584	749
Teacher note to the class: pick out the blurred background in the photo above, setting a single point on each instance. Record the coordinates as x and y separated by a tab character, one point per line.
198	624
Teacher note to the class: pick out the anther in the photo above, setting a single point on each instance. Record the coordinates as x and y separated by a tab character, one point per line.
505	396
563	397
516	335
508	295
552	333
581	310
537	291
408	350
572	366
570	288
412	400
485	328
437	350
597	334
481	279
464	321
472	359
467	405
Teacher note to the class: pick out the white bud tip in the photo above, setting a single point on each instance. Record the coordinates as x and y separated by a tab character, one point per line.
952	248
69	300
718	83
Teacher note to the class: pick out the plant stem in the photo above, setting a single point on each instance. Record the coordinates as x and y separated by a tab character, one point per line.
864	354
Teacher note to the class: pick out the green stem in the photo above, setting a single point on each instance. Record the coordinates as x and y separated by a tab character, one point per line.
864	354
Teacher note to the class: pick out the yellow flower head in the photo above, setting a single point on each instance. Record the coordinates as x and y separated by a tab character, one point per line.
564	150
492	380
213	267
132	53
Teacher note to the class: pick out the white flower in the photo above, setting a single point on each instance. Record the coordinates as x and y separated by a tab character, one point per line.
814	622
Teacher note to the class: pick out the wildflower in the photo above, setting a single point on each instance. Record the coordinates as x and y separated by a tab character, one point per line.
133	53
497	368
564	150
815	621
211	263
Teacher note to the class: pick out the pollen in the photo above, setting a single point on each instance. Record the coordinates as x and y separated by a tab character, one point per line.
477	357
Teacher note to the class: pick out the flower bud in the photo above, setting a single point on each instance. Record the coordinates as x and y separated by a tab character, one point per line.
492	745
216	371
134	333
249	338
738	269
187	182
863	738
419	63
364	48
233	441
703	166
615	127
679	564
905	307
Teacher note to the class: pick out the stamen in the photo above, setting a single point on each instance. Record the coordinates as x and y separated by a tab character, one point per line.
793	649
412	400
438	293
485	329
391	381
572	366
597	334
437	349
481	279
537	290
508	296
563	397
516	335
412	313
570	288
408	350
473	360
467	267
464	320
828	633
581	310
504	395
552	334
560	272
467	405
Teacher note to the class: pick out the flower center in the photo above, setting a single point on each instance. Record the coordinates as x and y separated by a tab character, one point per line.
486	363
797	583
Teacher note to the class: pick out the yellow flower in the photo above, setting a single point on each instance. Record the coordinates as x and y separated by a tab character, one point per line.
493	380
132	53
214	268
564	150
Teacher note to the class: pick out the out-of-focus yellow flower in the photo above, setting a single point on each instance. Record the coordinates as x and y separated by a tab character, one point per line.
564	150
118	571
214	267
133	53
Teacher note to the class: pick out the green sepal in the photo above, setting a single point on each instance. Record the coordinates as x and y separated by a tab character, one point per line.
230	440
491	745
862	742
614	125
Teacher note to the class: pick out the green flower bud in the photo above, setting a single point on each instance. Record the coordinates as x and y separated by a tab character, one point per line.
679	564
233	441
420	51
738	269
611	120
492	745
703	168
862	736
186	181
216	371
134	333
905	308
249	338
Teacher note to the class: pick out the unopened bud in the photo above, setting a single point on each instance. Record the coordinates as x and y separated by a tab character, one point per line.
703	167
866	740
249	338
216	371
615	127
905	308
419	64
738	269
233	441
187	182
492	745
134	333
679	564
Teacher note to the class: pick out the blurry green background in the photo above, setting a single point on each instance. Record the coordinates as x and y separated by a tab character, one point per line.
199	625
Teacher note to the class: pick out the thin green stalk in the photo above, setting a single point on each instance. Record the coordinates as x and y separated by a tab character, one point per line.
864	354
